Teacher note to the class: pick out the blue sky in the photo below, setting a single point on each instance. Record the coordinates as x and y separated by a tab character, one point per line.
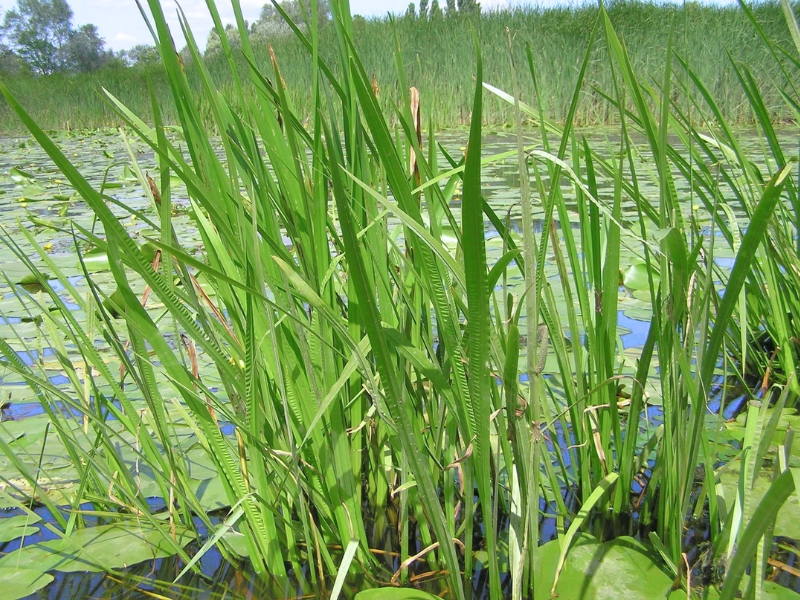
121	25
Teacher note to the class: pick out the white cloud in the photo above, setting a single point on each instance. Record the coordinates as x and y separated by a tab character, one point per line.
124	37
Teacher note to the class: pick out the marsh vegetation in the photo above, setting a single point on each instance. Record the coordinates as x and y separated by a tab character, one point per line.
437	52
311	334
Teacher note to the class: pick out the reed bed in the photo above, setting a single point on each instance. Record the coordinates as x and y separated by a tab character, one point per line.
371	389
711	38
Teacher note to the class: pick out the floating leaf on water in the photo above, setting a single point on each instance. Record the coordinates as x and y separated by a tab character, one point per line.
769	591
101	548
237	543
42	222
35	193
621	568
786	524
95	260
12	528
31	281
636	277
18	583
19	176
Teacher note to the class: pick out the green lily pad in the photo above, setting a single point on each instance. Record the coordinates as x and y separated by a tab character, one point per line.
12	528
95	260
236	543
769	591
19	176
34	193
621	568
97	549
31	281
636	277
18	583
787	524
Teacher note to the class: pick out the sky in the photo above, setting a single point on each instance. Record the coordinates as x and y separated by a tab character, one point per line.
120	24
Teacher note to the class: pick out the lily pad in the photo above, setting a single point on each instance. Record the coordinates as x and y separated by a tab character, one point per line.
621	568
787	524
18	583
636	277
31	282
95	260
12	528
19	176
35	193
769	591
97	549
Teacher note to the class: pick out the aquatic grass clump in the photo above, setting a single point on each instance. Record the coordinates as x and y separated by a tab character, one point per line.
335	375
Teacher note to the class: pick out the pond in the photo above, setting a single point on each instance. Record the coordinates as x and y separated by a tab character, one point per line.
35	200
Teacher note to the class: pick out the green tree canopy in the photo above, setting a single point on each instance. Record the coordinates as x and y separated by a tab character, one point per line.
143	54
271	21
85	50
38	31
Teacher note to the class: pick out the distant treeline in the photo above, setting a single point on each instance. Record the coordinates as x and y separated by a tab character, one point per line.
717	43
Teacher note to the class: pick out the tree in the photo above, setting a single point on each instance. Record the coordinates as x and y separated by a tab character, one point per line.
38	30
469	7
142	54
436	11
85	50
270	21
11	63
411	11
214	43
452	11
423	9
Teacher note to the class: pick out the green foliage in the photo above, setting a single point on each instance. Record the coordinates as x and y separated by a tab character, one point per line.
19	583
85	50
142	55
344	315
39	31
435	63
270	21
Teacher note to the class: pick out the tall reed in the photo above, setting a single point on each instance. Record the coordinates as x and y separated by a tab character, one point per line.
370	376
434	51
